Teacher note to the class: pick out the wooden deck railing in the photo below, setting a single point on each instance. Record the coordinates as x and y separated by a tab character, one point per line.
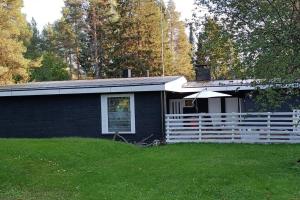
262	127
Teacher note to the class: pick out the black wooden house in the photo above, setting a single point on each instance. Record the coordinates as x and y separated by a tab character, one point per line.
132	107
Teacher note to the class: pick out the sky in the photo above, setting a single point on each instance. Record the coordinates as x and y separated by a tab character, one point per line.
43	11
47	11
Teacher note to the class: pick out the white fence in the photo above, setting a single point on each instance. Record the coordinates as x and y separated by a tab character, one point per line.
279	127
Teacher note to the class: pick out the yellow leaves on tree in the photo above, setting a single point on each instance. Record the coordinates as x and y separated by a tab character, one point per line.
13	32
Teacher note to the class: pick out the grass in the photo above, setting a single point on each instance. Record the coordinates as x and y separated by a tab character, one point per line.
98	169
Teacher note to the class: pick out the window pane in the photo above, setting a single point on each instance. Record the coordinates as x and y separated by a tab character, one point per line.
119	118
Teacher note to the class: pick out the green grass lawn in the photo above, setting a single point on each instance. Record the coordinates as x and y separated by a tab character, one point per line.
96	169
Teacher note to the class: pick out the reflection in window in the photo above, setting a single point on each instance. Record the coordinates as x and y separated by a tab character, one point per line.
119	118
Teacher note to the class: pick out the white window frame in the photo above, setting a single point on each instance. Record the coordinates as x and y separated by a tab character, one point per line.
104	113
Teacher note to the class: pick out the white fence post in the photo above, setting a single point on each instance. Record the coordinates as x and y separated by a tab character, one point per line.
167	128
233	126
200	127
269	127
296	121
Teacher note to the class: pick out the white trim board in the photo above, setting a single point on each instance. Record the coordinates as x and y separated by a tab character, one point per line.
175	85
83	90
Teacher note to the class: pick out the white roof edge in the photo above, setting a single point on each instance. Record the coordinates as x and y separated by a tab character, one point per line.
175	85
83	91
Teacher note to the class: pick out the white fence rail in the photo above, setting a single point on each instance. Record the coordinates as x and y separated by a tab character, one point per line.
279	127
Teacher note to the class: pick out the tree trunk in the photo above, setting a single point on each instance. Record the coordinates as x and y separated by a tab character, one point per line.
95	44
78	63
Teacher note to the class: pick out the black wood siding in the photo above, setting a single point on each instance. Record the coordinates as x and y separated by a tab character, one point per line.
148	115
72	115
50	116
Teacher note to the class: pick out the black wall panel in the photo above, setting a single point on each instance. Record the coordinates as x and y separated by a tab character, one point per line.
72	115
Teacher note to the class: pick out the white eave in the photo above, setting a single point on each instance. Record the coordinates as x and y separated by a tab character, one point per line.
178	86
173	85
83	90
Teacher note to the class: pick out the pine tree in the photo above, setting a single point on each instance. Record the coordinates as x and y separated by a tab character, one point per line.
52	60
64	39
183	55
101	19
139	37
34	47
199	57
14	32
217	50
179	45
53	68
126	54
74	14
48	37
57	39
104	37
153	35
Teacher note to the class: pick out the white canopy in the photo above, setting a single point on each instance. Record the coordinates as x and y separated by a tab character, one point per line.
206	94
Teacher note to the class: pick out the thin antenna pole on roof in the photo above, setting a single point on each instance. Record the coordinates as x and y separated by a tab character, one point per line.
162	38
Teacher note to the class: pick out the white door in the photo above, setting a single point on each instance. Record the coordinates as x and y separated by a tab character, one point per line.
176	106
214	105
232	105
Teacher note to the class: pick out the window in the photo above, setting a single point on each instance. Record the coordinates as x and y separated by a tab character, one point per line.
189	103
118	114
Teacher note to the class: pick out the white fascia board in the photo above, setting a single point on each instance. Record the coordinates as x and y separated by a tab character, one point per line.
34	92
188	90
176	85
5	94
84	90
144	88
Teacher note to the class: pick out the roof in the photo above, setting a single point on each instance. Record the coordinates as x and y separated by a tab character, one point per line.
93	86
236	85
121	85
222	85
114	82
219	83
